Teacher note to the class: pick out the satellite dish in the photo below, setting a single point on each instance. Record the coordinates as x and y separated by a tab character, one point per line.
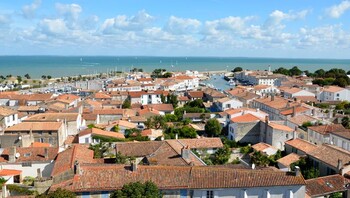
19	137
17	155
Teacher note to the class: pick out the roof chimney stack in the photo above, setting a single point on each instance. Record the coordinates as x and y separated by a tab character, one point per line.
340	164
12	154
134	166
185	153
272	97
297	171
46	153
294	111
76	167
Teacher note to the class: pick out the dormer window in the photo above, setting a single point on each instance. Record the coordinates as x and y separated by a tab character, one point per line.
27	154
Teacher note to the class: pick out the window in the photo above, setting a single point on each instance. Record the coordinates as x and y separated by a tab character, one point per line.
287	136
210	194
27	154
26	164
41	140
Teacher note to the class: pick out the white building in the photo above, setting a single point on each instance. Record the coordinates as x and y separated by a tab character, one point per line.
296	92
8	117
228	103
29	160
334	93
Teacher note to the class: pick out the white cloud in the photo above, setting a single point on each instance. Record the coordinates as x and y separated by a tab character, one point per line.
4	19
124	23
231	23
28	11
277	17
337	10
53	26
69	11
177	25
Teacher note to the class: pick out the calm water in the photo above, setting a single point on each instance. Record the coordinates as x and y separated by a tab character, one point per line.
73	65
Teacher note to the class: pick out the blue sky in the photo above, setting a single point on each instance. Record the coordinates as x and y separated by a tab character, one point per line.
271	28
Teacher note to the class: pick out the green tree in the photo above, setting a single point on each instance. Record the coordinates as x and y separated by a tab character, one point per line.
158	122
59	193
115	128
167	75
137	190
19	79
345	121
307	124
295	71
162	98
222	155
2	181
307	168
126	104
187	132
213	127
320	73
172	99
120	159
170	118
149	123
260	159
27	76
237	69
341	82
49	77
281	70
336	195
43	77
99	149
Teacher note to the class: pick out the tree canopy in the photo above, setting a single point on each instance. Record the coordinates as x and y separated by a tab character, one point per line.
213	127
237	69
137	190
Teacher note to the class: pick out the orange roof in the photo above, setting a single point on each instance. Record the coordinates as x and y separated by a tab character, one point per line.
9	172
96	131
289	159
261	146
40	144
301	145
124	124
35	126
297	110
333	89
292	90
245	118
280	127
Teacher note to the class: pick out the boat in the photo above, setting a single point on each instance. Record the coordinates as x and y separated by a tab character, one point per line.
231	82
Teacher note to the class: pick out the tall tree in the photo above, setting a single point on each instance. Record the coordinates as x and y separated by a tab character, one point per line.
213	127
137	190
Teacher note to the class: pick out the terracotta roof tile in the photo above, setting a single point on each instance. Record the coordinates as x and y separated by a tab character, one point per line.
333	89
301	145
289	159
322	186
330	154
325	129
162	107
40	144
53	117
261	146
9	172
96	131
4	111
280	127
66	159
245	118
112	177
109	111
32	154
35	126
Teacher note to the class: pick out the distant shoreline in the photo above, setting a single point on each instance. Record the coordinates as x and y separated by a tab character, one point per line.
57	66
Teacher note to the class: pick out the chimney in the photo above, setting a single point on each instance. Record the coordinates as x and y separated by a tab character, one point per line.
295	133
134	166
12	154
267	119
297	171
272	97
184	112
162	138
46	153
185	153
176	136
257	110
294	111
313	112
340	164
76	167
38	172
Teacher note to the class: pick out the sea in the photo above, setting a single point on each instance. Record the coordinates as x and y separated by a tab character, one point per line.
58	66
